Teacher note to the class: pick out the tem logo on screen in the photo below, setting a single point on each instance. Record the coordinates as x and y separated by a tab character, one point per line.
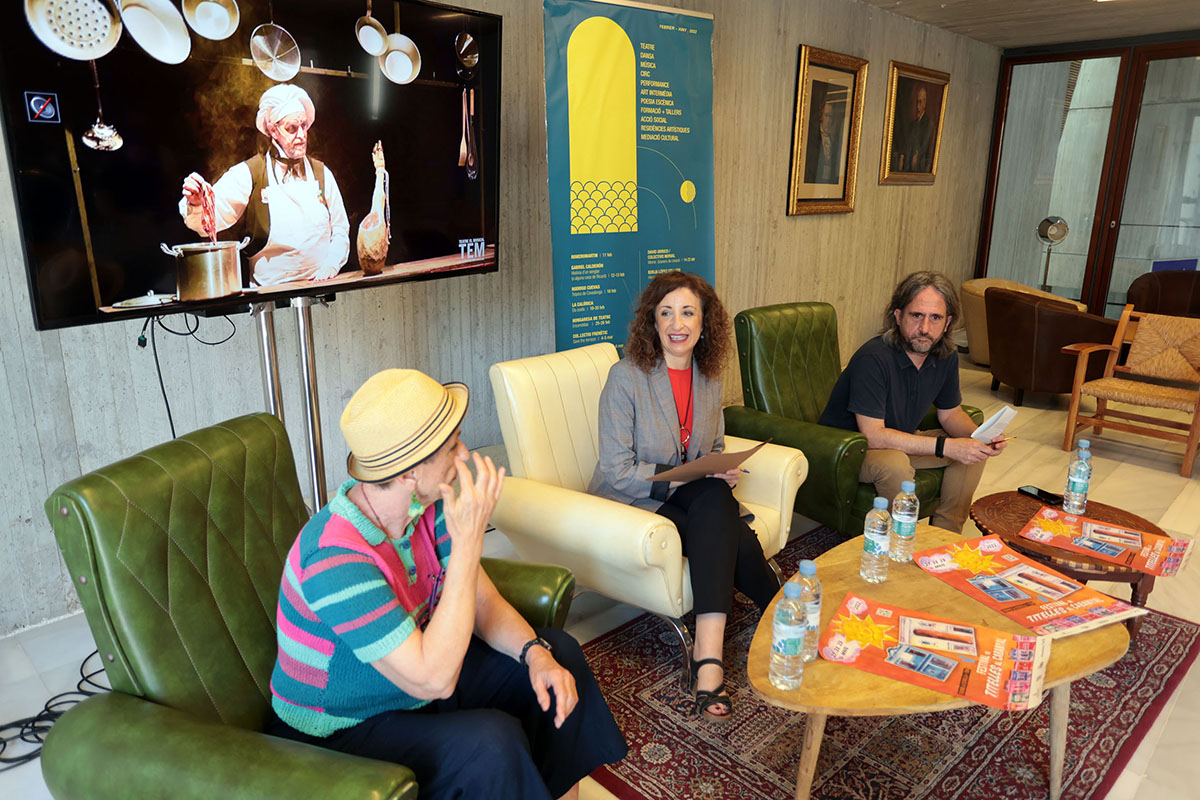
471	248
41	106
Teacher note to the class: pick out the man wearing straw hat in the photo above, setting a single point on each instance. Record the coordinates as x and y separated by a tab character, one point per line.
393	642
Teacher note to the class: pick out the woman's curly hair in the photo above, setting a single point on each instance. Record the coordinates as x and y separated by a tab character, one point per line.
644	348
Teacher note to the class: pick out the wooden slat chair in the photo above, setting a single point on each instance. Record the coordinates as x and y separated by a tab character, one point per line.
1164	362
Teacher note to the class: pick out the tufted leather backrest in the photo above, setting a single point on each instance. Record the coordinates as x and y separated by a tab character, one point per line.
788	355
176	554
549	413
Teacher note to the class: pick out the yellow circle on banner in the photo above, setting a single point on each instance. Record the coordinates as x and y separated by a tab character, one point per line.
687	190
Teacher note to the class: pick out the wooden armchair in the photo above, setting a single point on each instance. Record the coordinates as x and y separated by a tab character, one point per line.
1164	369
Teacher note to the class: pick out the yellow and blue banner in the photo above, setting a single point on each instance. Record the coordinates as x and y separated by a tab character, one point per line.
629	145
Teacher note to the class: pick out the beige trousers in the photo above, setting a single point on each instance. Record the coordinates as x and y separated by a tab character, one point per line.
887	469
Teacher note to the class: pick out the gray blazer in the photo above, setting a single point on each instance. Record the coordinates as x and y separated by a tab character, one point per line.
639	430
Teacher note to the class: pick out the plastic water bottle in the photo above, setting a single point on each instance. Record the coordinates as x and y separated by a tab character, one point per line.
1079	475
876	535
905	510
811	595
1084	444
787	643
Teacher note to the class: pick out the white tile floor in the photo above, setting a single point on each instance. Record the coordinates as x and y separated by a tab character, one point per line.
1139	474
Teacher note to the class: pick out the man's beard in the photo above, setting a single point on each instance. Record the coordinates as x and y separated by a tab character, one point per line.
921	345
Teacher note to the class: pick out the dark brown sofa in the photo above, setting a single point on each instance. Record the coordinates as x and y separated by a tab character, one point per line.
1176	294
1025	337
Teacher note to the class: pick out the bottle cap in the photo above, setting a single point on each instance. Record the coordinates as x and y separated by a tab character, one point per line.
1084	444
793	590
881	502
908	486
808	567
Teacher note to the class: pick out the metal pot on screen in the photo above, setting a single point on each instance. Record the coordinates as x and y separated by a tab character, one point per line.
207	270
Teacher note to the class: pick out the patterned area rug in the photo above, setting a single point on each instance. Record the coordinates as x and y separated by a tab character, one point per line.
967	754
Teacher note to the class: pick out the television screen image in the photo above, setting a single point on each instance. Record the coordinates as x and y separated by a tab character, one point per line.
210	154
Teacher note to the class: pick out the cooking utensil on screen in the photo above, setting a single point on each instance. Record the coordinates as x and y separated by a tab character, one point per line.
159	28
207	270
472	145
274	51
78	29
212	19
466	52
101	136
151	298
401	61
462	146
370	33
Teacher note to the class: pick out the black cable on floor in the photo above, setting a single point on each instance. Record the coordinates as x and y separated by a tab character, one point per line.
33	730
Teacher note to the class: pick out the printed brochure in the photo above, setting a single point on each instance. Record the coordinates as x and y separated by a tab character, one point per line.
1030	594
984	665
1147	552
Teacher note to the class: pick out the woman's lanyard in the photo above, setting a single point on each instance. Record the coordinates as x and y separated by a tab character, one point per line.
683	414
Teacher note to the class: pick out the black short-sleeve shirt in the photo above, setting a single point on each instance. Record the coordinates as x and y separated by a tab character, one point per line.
882	382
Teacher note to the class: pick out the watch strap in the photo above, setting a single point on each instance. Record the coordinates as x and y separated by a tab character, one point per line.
939	449
537	640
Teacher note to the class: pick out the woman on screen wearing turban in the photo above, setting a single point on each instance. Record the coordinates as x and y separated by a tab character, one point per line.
286	202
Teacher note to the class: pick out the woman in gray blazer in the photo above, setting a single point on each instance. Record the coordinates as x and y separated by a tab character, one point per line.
661	406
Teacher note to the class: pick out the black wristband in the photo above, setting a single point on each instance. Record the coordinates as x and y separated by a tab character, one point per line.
535	640
940	448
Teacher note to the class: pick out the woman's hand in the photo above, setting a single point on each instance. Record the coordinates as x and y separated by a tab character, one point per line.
467	513
730	477
546	675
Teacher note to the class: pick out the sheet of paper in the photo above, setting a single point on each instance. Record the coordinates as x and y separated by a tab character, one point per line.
711	464
1028	593
982	664
994	425
1148	552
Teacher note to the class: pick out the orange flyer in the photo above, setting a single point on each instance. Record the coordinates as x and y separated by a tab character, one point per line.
1147	552
1028	593
984	665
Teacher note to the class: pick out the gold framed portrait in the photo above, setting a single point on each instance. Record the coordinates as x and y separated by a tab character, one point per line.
827	125
912	124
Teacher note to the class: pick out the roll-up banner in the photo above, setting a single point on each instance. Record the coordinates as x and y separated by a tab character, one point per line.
629	144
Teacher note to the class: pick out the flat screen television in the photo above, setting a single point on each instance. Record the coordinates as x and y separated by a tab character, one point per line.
190	88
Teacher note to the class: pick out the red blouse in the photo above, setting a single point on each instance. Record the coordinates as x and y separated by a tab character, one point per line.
681	387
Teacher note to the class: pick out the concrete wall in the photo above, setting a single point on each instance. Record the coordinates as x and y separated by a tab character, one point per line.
76	399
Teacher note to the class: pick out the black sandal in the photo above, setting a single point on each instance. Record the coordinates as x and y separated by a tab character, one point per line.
707	698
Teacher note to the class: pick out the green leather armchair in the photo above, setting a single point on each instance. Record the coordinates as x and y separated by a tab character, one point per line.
176	554
789	360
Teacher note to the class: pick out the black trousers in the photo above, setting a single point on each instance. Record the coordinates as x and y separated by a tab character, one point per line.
490	739
722	552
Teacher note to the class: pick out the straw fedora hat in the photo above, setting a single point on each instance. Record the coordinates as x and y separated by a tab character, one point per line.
396	420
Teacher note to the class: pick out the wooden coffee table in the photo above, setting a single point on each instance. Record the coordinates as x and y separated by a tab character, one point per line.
841	690
1004	514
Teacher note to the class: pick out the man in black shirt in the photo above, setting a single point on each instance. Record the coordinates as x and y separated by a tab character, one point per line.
888	387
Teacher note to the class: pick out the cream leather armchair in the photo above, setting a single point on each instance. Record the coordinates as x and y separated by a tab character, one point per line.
548	409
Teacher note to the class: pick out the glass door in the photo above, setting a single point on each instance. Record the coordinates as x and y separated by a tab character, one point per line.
1157	224
1054	144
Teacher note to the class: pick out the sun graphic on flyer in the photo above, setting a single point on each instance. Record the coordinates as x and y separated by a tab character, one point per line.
972	560
1057	527
865	630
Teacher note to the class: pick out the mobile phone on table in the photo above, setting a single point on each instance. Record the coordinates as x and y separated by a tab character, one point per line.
1049	498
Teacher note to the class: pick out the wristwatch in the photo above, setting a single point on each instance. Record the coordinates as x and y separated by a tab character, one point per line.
535	640
939	449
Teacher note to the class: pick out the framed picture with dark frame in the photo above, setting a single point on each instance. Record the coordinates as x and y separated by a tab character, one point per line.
912	124
830	88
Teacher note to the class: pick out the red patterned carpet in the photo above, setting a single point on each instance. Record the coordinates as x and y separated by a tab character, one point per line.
967	754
